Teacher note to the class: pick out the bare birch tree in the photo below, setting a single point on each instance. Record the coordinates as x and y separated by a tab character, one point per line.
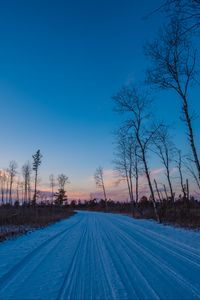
62	181
164	148
137	104
189	166
3	179
12	171
26	173
179	162
52	185
99	180
127	164
174	67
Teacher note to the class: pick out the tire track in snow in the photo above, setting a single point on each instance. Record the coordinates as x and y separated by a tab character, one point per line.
131	283
147	253
188	249
15	271
171	248
62	294
108	269
100	257
180	254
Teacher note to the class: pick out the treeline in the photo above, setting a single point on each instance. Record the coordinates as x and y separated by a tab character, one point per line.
187	215
173	65
20	187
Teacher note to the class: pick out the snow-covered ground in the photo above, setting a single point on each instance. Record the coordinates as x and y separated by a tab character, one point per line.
101	256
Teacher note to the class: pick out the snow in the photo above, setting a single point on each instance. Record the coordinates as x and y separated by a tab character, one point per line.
101	256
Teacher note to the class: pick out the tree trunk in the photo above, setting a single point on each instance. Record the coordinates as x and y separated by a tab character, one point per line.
182	184
188	190
131	191
137	189
150	187
136	178
157	190
35	192
104	191
170	186
165	192
191	135
128	184
10	192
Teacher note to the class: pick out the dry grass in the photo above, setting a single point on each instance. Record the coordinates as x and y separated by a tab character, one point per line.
20	219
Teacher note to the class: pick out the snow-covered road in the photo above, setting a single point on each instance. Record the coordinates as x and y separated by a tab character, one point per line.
101	256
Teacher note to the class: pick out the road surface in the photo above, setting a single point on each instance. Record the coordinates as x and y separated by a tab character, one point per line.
101	256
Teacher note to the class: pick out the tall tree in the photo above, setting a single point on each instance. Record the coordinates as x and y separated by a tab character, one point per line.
179	162
99	179
174	67
62	181
61	196
189	166
3	178
26	173
12	171
137	105
164	148
127	163
52	185
37	160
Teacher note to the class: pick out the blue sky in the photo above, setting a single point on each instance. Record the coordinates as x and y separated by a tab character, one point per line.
60	63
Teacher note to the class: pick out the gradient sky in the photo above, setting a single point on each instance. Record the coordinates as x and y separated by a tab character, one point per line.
60	63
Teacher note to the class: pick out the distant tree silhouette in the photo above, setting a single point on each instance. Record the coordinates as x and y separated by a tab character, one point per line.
3	178
127	163
52	185
12	171
61	197
26	173
37	160
62	181
99	180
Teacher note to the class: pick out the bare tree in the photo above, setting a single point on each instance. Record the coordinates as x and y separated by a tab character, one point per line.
189	165
174	67
135	103
189	10
157	190
62	181
3	178
164	148
60	196
127	163
7	187
52	185
37	160
179	162
190	13
17	189
12	171
99	179
26	173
